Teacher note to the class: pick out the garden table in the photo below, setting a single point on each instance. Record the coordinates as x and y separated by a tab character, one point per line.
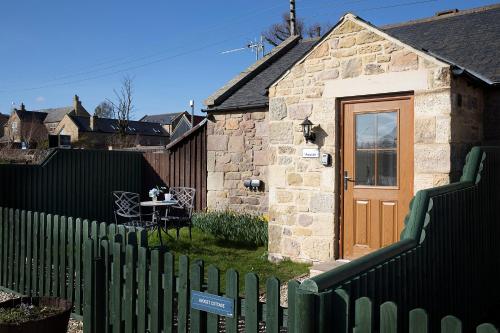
155	217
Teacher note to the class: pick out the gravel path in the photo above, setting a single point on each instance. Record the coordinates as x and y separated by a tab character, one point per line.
74	326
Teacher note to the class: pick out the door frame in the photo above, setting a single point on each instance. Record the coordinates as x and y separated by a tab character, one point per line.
341	101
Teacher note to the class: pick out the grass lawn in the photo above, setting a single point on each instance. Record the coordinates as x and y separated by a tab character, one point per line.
226	255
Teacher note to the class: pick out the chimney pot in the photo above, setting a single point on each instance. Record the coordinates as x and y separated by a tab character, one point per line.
93	121
77	104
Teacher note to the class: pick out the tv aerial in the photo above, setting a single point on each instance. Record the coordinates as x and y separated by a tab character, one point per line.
255	46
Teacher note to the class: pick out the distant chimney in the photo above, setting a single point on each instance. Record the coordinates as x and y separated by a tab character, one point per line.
447	12
293	20
93	120
23	107
77	105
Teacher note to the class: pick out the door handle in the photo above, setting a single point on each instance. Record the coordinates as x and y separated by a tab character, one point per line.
347	179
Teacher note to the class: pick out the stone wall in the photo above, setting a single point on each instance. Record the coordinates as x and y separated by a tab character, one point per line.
354	60
492	116
237	149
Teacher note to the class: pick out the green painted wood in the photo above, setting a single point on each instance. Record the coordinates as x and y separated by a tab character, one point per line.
363	315
94	234
197	318
105	255
10	266
70	287
305	311
293	285
130	289
341	305
183	294
17	249
251	302
388	317
418	321
55	255
63	251
2	267
213	288
142	289
116	287
451	324
5	245
99	302
42	254
48	254
89	290
273	305
486	328
168	293
156	294
22	253
232	291
28	290
36	257
78	265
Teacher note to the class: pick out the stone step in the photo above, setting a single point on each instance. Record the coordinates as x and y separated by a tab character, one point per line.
322	267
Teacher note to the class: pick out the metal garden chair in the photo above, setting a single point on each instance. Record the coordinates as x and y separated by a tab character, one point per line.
180	214
127	206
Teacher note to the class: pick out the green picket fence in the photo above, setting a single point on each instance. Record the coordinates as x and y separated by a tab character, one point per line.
446	262
389	315
42	254
137	289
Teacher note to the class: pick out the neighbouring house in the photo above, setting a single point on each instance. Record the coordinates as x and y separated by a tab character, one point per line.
104	132
3	120
238	131
28	126
25	126
394	110
175	124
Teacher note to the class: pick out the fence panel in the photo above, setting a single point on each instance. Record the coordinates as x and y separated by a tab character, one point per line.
184	163
445	262
71	182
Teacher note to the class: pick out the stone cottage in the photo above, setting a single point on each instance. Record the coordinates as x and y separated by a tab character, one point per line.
237	142
394	110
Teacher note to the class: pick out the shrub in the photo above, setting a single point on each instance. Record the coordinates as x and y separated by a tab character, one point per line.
245	228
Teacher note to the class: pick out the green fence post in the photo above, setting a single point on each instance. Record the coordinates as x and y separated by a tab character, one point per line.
89	292
213	288
389	317
198	318
116	288
168	293
130	289
293	286
155	297
305	311
142	289
232	291
363	320
99	300
251	302
29	254
183	294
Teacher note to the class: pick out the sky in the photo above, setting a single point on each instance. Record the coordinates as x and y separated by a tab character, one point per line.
51	50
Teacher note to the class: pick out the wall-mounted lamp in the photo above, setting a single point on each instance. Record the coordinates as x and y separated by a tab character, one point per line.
307	130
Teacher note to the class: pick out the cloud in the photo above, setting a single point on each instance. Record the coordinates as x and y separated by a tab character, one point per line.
40	99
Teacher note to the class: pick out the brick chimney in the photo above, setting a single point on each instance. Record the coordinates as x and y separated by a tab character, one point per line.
23	107
77	105
93	120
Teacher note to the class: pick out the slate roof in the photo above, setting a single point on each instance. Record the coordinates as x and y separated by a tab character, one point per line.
31	115
249	89
163	119
55	115
107	125
468	38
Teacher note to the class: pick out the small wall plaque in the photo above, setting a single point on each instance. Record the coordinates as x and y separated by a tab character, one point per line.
310	153
219	305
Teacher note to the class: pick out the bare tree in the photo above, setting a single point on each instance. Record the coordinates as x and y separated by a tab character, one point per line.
123	107
33	133
104	110
278	32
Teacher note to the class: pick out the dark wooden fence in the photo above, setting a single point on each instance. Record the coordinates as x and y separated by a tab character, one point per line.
447	261
183	163
71	182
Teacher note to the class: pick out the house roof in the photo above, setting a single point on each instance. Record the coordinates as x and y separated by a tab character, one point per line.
107	125
249	88
31	115
468	39
3	119
163	119
56	114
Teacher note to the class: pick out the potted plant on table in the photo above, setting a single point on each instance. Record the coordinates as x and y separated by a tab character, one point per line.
35	314
155	192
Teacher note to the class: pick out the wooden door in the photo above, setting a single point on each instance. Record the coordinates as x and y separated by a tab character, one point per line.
377	175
